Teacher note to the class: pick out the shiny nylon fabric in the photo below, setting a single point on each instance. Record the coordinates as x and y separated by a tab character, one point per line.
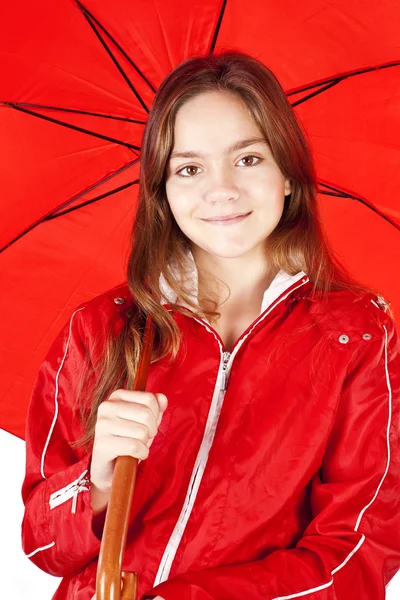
299	497
338	63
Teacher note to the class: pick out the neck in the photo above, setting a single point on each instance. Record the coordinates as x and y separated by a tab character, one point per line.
246	276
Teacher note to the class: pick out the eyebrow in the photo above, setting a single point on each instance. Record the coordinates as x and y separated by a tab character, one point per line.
236	146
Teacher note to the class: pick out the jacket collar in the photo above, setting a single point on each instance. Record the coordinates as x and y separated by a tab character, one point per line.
282	282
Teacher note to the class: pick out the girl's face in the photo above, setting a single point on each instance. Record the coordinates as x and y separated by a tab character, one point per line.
216	168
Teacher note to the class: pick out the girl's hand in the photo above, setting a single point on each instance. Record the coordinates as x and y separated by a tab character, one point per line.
126	425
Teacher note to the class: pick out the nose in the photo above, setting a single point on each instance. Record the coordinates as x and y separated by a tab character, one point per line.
221	185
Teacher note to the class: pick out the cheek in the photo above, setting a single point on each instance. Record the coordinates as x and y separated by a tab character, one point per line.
267	191
179	202
269	179
180	198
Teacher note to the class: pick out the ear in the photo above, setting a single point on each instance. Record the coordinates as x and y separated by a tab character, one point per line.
288	187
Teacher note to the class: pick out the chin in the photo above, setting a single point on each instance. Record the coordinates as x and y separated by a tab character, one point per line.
227	252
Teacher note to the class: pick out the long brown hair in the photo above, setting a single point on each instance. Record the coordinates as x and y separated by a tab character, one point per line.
297	243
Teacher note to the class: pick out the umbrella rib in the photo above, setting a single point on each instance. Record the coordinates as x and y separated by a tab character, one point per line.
337	79
89	17
128	58
15	106
75	111
114	191
322	89
218	27
90	189
339	193
51	214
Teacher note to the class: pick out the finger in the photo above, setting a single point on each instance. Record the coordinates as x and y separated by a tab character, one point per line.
141	415
162	401
146	399
131	429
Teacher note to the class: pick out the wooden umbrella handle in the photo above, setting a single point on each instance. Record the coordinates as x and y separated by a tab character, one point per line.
109	569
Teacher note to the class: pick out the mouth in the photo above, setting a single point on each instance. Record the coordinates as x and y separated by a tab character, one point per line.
227	220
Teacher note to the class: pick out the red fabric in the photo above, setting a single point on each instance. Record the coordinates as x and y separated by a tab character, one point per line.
298	493
338	63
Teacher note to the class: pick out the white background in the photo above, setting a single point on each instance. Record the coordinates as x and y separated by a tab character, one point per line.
20	578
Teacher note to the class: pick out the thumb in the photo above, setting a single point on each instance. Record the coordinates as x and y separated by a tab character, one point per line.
162	401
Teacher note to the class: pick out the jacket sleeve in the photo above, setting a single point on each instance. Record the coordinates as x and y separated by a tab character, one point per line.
58	530
351	547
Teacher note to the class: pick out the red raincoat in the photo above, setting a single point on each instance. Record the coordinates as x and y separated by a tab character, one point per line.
276	469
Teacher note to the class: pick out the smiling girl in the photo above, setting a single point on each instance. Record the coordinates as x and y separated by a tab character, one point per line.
268	434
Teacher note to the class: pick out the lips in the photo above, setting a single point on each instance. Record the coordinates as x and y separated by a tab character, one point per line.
227	221
229	218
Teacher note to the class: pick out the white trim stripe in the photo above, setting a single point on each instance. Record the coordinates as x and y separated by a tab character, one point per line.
56	395
359	544
387	433
40	549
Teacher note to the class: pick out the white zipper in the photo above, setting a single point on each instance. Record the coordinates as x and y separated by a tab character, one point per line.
70	491
199	467
206	443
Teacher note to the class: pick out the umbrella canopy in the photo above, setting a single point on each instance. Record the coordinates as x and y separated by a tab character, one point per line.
77	82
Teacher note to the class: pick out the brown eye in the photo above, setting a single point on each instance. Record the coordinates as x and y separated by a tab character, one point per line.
184	168
251	156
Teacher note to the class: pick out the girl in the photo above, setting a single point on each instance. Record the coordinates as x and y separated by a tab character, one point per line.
268	435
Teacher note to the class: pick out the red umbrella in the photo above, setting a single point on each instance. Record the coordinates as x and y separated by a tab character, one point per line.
77	83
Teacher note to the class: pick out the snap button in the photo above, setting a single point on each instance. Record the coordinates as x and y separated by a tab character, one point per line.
343	339
119	300
366	336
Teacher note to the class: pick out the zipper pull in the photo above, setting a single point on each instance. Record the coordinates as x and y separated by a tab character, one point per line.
74	498
80	486
69	491
225	359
